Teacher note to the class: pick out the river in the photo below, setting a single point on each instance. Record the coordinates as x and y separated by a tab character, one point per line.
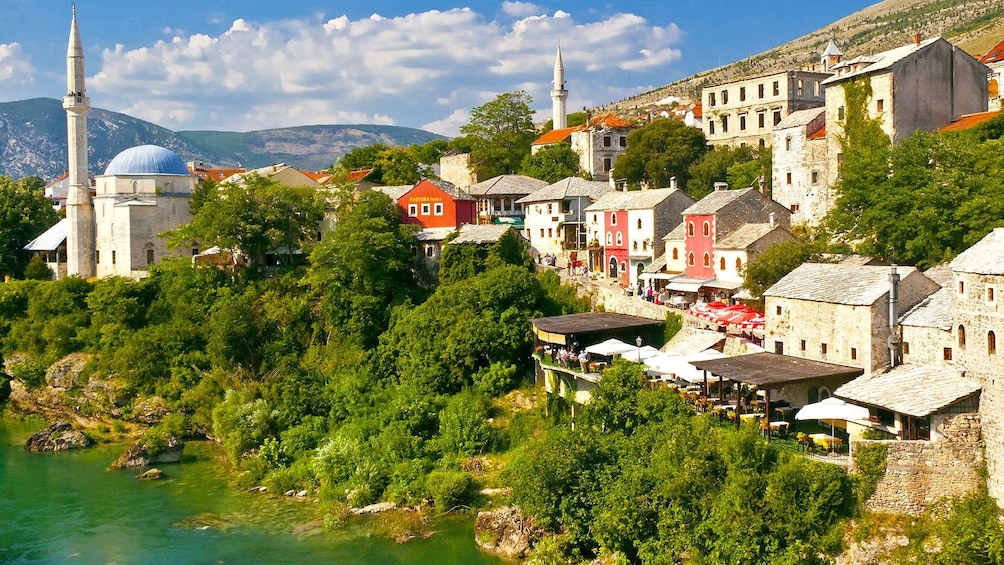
67	508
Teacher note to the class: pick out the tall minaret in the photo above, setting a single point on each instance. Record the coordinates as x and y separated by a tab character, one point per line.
559	94
79	208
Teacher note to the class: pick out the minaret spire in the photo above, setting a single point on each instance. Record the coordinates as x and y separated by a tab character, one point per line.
558	93
79	208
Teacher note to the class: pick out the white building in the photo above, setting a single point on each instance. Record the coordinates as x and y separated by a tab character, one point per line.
556	214
798	166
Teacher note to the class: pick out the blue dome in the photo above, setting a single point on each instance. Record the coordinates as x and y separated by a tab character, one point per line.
147	160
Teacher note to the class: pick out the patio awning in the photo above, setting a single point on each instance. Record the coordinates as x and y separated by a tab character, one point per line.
656	276
770	370
724	285
684	284
610	347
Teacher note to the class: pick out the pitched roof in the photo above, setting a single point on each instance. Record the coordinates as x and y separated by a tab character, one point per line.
970	120
590	322
932	312
679	233
832	49
480	234
610	121
555	136
570	187
51	239
360	174
995	54
984	258
448	188
747	235
915	390
507	184
698	109
394	192
634	199
772	370
716	200
799	118
941	274
852	285
880	61
819	134
658	264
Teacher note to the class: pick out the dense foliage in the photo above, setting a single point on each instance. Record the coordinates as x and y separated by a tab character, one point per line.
395	165
25	213
552	163
739	166
500	133
659	151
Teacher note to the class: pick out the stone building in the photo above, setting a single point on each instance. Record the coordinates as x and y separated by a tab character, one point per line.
497	198
978	320
926	331
746	111
598	143
555	217
922	85
798	166
455	168
838	313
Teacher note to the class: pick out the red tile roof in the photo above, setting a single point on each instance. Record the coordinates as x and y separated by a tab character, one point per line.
610	121
995	54
318	177
818	134
698	109
358	175
555	136
215	174
970	120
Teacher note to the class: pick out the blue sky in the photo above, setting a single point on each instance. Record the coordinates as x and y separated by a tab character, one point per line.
254	64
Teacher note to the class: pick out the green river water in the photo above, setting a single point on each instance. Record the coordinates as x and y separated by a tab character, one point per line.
67	508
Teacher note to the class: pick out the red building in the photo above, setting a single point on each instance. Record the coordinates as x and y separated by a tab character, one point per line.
437	204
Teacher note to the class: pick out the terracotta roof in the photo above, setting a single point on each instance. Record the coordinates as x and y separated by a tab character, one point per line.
62	177
216	174
570	187
698	109
984	258
321	177
837	284
915	390
610	121
360	174
970	120
819	134
507	185
995	54
555	136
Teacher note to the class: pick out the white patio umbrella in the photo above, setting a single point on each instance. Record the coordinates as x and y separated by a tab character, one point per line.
832	408
610	347
639	354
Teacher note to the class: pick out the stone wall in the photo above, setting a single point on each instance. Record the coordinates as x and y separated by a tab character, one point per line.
613	301
919	473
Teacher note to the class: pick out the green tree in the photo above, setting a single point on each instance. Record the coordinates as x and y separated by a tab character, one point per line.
25	213
400	166
659	151
364	157
571	120
463	261
552	163
501	132
761	272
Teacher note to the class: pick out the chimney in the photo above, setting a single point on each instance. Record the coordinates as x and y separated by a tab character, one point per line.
672	182
916	39
894	339
721	186
772	219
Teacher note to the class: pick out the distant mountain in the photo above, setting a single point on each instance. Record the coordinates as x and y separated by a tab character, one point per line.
33	141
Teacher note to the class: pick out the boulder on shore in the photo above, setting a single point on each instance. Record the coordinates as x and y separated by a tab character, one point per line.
139	455
58	437
505	531
151	475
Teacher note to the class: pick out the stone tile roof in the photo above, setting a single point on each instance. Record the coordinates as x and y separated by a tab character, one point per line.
657	265
480	234
746	235
850	285
915	390
434	234
984	258
507	185
770	370
932	312
570	187
679	233
394	192
880	61
941	274
799	118
690	340
633	199
715	201
448	188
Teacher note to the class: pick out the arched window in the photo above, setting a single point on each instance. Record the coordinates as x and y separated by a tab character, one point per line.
690	259
639	223
824	393
707	229
644	245
991	343
613	219
690	229
620	239
634	245
676	254
962	336
721	264
610	238
497	203
813	394
707	260
739	264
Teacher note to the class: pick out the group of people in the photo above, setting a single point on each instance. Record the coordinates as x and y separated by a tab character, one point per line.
568	357
548	259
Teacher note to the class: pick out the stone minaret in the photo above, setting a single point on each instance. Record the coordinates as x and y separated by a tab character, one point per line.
558	94
79	208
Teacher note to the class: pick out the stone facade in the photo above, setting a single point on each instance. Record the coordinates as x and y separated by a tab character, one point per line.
919	473
745	112
799	167
456	170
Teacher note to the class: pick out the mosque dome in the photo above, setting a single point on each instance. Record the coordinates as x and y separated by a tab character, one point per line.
147	160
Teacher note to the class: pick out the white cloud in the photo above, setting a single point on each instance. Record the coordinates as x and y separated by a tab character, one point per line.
403	70
16	70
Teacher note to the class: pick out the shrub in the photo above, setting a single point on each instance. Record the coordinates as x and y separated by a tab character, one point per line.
450	489
36	269
463	425
31	372
496	379
870	460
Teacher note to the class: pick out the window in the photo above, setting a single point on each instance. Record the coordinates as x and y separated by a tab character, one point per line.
707	229
801	345
607	164
990	294
97	256
947	354
711	127
195	251
639	223
113	256
880	105
991	343
777	117
725	124
438	209
725	97
779	347
815	177
690	259
854	353
613	219
425	209
777	88
690	229
906	348
711	99
623	266
795	207
634	246
550	208
644	245
822	348
962	287
962	334
623	141
610	238
800	87
149	256
707	259
742	93
763	143
840	113
787	143
721	264
739	264
429	251
761	118
620	239
606	141
788	178
778	311
542	232
759	90
742	122
550	233
594	218
676	254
